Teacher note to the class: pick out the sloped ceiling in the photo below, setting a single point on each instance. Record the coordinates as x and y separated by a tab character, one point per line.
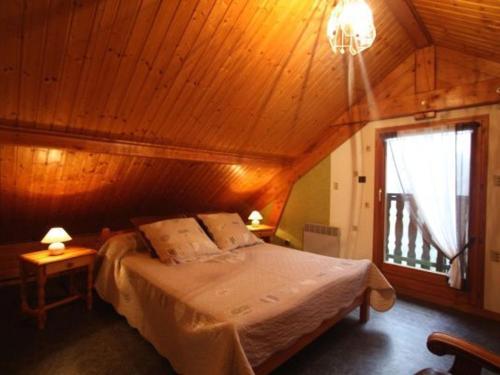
247	77
464	25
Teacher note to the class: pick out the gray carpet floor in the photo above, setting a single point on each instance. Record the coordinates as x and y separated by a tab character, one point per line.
101	342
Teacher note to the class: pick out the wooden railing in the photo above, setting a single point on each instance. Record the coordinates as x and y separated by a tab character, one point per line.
404	242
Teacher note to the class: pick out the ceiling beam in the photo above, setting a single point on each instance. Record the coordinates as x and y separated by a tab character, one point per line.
463	96
60	140
405	13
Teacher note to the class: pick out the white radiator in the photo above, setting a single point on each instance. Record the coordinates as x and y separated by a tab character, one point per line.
322	239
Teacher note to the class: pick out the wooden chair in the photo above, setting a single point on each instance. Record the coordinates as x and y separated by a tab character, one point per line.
469	358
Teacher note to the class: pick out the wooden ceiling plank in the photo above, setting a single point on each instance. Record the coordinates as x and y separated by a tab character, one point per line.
407	16
219	18
144	29
154	84
75	58
111	55
95	45
52	139
468	26
35	18
232	67
251	96
10	57
188	131
189	82
59	22
146	65
188	46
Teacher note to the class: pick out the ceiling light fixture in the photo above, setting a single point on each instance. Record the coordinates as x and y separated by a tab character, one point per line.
350	27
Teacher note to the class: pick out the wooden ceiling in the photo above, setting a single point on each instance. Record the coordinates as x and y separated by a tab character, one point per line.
241	78
471	26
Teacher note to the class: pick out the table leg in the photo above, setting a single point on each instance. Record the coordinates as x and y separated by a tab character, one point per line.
90	283
72	287
41	313
24	297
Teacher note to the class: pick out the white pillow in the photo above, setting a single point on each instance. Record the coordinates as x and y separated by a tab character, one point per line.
228	230
178	240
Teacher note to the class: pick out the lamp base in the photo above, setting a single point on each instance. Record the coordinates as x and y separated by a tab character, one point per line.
255	223
56	248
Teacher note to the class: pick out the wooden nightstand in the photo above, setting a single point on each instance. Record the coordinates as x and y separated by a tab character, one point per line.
43	265
262	231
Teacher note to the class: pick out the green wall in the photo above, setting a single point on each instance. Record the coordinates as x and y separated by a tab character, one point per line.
309	202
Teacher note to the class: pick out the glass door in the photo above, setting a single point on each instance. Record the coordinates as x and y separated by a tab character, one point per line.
417	183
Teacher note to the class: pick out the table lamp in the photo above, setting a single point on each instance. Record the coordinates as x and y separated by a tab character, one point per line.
55	237
256	217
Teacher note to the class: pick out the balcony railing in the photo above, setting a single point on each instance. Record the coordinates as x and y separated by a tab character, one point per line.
404	243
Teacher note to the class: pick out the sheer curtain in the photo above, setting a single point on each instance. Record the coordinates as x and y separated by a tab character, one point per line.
433	165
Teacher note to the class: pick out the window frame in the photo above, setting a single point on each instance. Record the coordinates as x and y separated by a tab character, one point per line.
422	284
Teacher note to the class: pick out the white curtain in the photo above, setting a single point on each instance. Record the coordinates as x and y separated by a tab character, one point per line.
434	167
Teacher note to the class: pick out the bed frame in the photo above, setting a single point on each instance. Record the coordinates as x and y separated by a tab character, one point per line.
278	358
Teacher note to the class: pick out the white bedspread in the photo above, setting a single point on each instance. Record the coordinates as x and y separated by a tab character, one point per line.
229	313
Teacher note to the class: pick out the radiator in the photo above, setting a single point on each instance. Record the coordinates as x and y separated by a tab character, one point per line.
322	239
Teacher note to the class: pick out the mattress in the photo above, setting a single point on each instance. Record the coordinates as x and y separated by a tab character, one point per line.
229	313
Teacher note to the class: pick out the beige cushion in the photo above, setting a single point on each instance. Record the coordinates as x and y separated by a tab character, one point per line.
228	230
178	240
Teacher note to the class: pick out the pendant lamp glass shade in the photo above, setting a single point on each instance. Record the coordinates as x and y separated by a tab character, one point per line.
351	27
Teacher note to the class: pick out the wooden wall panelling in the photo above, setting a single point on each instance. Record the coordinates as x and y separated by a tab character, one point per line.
477	86
425	69
463	96
84	191
456	68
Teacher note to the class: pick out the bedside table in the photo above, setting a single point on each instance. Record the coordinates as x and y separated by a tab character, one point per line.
43	265
262	231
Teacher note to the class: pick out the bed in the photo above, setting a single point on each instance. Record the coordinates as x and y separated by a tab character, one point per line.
244	311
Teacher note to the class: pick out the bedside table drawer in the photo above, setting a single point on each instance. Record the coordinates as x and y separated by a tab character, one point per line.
68	264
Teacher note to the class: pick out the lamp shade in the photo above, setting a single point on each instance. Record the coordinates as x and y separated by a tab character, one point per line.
255	215
56	235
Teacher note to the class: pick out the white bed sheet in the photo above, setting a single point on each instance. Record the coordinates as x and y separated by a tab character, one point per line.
229	313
